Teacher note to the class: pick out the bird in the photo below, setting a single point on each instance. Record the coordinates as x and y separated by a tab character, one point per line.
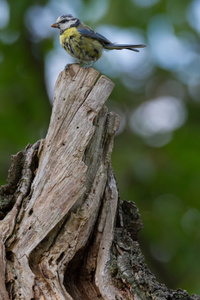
83	43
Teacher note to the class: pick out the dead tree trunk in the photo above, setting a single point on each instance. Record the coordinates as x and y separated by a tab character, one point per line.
64	233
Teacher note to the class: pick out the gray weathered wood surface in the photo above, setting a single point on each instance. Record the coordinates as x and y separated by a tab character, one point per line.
64	233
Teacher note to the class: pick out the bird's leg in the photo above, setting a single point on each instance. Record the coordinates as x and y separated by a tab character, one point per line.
89	66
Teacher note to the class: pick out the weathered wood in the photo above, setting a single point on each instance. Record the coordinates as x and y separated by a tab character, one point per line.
3	291
66	195
64	233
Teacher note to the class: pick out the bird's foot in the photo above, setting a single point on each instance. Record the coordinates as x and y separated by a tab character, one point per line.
87	67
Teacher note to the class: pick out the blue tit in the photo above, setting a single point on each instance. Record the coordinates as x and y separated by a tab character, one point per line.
83	43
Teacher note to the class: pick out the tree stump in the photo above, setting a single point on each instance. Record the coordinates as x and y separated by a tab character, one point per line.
64	232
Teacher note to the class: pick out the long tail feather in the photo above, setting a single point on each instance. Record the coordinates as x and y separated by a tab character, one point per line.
124	46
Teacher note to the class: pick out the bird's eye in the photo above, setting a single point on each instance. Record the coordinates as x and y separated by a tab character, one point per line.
63	21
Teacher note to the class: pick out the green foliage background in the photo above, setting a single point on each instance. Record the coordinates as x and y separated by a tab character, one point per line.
164	180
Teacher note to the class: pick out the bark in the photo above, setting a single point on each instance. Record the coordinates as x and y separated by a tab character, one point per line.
64	232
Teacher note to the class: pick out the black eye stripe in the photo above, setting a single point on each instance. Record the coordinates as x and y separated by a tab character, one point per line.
75	22
66	20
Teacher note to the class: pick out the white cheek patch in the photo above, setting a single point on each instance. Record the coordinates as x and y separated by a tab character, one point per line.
70	23
66	25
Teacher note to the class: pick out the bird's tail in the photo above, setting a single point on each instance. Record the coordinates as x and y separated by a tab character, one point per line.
124	46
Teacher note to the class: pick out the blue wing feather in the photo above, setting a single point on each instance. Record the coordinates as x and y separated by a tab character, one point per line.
93	35
108	44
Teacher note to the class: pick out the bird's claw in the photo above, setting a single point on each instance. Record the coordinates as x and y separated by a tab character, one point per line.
87	67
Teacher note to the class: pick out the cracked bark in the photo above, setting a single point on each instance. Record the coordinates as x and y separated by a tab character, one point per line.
64	232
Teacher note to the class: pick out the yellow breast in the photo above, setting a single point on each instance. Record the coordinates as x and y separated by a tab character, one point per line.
83	48
67	34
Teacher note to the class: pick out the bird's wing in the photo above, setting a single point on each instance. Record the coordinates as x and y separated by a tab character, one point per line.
93	35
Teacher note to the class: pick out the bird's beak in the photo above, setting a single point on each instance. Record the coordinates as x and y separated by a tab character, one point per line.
55	25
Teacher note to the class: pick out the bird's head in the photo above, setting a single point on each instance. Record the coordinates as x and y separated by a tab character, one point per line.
65	22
